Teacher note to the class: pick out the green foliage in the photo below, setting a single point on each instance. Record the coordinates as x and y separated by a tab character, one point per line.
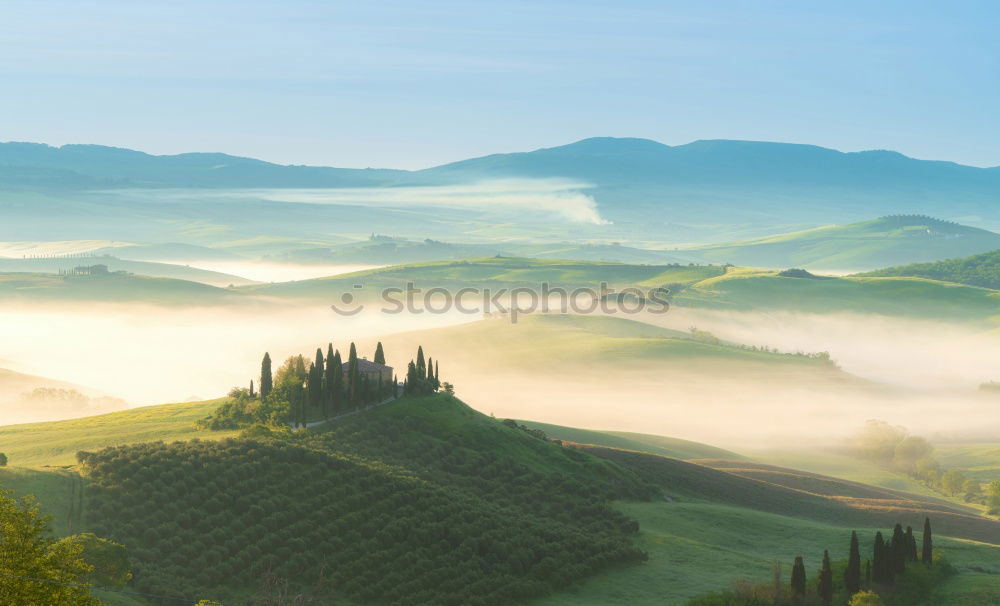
866	598
3	460
266	380
109	559
35	569
852	574
799	577
978	270
420	501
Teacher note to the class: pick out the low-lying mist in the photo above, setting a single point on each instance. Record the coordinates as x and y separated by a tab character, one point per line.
919	374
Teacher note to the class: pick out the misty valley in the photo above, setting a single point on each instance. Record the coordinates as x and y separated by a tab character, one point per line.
204	398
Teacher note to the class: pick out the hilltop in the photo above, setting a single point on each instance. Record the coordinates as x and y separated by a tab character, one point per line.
890	296
858	246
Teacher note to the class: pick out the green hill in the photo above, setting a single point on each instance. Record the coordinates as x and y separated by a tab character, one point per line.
717	526
422	501
427	501
858	246
661	445
491	271
110	288
979	270
564	343
114	264
893	296
56	443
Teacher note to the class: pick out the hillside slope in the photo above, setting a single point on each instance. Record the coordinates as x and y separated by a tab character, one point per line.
114	264
858	246
978	270
420	501
891	296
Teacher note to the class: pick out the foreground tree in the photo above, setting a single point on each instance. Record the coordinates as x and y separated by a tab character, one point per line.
109	559
852	574
899	547
824	585
911	545
379	354
265	376
880	567
35	569
799	577
927	553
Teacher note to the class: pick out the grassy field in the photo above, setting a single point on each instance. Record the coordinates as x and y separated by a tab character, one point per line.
556	340
494	271
840	465
55	444
662	445
893	296
113	288
695	547
978	461
857	246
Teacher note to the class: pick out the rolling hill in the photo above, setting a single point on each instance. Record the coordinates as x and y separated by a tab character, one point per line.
891	296
109	288
434	476
979	270
858	246
115	264
27	398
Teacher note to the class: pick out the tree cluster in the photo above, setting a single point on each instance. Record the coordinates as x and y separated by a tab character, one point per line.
894	448
897	573
422	377
300	392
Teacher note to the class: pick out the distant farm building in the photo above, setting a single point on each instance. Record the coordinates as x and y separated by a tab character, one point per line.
373	371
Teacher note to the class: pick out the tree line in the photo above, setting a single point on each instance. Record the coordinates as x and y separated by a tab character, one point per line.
897	573
301	391
895	448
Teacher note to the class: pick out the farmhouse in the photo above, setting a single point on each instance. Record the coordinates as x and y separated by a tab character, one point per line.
371	370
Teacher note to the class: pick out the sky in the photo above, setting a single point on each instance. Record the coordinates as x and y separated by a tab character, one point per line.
417	83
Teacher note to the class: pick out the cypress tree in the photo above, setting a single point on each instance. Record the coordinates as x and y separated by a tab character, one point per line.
430	369
328	382
799	577
825	583
911	545
437	373
421	366
353	377
252	394
379	354
337	391
411	378
899	548
878	560
868	573
927	553
316	381
852	574
265	376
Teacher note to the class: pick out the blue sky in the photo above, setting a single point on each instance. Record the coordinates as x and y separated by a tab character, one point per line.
423	82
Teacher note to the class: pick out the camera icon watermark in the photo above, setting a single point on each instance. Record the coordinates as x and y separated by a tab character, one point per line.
511	302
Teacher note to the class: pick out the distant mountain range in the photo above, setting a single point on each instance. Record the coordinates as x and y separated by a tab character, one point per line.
649	191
